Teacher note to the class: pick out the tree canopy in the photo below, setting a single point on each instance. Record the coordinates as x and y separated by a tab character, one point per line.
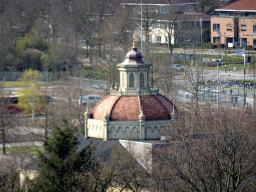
61	160
30	98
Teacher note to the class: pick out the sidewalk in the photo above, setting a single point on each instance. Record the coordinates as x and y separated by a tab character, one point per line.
19	144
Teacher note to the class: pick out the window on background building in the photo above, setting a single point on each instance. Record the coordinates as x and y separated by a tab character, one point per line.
131	80
164	25
254	28
254	42
158	39
243	26
229	25
243	42
141	80
243	30
167	39
229	29
150	38
158	24
216	27
162	9
216	39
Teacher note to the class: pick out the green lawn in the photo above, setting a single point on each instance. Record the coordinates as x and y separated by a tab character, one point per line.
18	84
22	84
229	66
23	149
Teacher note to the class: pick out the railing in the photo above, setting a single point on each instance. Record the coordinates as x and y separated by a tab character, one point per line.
135	92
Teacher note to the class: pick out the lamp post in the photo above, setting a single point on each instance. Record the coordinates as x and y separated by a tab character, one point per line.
141	25
244	80
217	85
201	29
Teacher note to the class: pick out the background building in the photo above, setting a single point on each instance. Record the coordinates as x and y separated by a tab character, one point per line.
169	21
235	24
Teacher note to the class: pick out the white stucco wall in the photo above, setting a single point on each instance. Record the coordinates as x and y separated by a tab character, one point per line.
95	128
129	130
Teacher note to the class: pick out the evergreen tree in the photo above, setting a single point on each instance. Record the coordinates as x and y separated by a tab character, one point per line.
61	161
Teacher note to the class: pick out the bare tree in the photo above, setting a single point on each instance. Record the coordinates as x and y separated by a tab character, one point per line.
165	76
215	151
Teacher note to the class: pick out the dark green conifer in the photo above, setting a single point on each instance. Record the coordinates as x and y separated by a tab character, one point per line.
61	161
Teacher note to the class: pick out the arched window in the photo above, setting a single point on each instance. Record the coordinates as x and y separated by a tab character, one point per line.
131	80
141	80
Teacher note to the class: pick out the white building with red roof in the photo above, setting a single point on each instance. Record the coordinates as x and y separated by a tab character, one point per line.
234	24
134	111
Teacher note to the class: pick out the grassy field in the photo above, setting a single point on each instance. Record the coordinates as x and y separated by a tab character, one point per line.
18	84
22	84
228	67
31	149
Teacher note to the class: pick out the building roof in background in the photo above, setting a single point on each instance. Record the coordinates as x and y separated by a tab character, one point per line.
157	2
184	17
239	5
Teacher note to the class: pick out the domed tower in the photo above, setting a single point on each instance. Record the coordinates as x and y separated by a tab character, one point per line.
133	111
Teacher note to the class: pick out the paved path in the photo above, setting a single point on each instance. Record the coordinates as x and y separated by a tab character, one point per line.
18	144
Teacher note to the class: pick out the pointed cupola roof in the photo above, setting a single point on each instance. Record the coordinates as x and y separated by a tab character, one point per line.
134	58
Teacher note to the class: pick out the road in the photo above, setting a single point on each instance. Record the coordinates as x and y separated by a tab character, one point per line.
19	144
229	52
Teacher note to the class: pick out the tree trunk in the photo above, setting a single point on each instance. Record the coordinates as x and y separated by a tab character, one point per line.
3	132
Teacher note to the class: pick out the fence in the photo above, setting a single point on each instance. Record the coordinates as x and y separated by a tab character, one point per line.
89	83
10	76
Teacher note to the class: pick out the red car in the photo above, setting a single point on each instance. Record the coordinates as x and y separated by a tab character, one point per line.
11	109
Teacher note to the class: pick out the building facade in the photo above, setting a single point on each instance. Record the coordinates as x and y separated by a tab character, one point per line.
235	24
169	21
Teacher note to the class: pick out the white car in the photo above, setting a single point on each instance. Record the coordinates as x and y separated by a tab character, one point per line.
178	68
89	99
216	60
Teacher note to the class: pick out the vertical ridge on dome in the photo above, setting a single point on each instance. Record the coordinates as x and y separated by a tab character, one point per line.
99	103
153	109
170	106
126	109
105	106
110	114
140	104
164	104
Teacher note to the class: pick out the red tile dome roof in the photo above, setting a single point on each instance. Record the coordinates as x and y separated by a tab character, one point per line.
128	108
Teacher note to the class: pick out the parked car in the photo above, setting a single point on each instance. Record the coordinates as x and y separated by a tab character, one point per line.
216	60
178	68
214	64
47	98
188	57
10	100
89	99
183	57
11	109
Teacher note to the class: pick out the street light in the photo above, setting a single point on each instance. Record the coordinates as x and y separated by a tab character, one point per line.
141	26
217	85
244	80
